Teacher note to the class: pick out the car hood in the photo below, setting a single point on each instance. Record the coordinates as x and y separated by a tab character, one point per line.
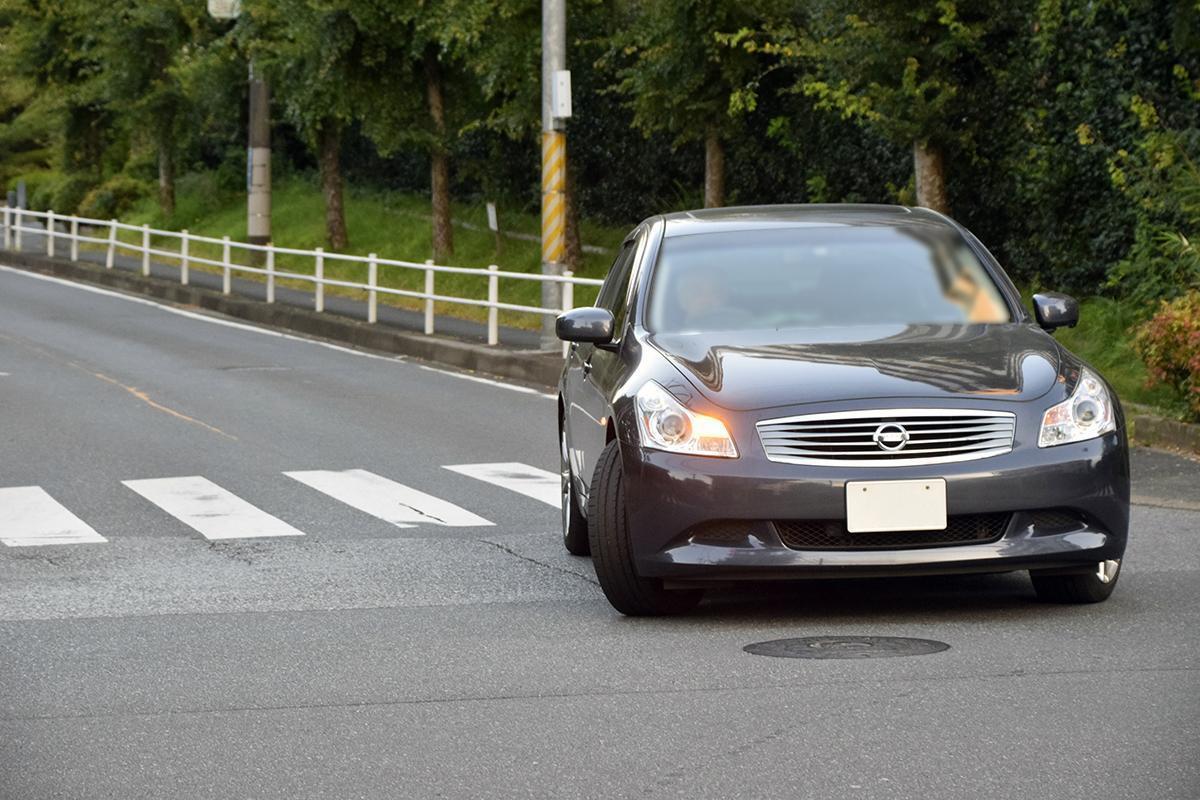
764	369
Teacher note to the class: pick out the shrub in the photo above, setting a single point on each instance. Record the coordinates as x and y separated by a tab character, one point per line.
114	197
69	193
1169	343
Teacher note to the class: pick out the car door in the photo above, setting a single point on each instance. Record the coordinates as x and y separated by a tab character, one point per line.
592	371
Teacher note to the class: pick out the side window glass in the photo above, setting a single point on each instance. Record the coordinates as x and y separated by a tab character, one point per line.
612	293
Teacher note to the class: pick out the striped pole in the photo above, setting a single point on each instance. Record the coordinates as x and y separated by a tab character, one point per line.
554	178
554	221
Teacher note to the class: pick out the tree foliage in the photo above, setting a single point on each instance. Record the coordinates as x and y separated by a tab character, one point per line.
1064	132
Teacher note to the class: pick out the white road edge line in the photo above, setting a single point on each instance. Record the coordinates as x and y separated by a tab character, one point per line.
510	386
29	516
265	331
521	478
387	500
215	512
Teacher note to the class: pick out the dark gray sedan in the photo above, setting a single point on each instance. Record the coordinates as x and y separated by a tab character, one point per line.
831	391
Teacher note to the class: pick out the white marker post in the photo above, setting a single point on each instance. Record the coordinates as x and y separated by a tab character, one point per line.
319	274
372	282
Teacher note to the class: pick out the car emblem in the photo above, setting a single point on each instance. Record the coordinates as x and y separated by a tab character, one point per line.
891	436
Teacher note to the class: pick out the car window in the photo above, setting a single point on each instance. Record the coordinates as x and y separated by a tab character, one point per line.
616	285
821	277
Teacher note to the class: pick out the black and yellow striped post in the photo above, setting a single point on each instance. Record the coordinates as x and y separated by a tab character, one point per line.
554	177
555	110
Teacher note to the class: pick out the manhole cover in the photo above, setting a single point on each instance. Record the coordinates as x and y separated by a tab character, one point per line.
846	647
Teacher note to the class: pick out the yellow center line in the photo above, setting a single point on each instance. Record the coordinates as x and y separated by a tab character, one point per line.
145	398
133	390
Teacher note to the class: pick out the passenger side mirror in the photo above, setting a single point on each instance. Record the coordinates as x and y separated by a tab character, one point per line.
592	325
1055	310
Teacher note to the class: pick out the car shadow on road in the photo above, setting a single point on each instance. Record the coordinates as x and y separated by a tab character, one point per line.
962	597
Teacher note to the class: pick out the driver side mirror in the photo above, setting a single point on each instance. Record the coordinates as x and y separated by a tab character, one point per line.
591	325
1055	310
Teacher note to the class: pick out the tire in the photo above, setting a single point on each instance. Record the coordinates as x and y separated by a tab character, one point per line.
1090	587
574	524
612	553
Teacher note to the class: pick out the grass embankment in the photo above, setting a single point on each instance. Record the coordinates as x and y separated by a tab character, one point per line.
1103	339
392	225
395	225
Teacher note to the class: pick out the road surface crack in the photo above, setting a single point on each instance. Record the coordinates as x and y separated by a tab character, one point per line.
553	567
421	513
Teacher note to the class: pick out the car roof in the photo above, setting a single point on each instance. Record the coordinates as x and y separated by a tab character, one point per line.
743	218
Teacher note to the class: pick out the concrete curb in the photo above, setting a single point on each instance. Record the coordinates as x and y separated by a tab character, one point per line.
1152	431
529	366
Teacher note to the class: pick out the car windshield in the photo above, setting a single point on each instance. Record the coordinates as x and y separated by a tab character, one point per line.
820	277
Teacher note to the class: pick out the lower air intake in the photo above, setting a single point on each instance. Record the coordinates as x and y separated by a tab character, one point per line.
832	534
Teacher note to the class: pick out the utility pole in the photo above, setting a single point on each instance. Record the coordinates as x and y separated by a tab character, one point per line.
258	167
556	108
258	146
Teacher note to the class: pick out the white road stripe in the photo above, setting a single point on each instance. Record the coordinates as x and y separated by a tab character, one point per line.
30	516
515	476
211	510
391	502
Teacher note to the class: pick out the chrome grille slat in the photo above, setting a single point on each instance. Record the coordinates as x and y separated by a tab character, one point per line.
1003	428
785	441
933	436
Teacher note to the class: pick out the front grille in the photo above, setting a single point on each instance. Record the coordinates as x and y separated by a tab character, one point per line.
832	534
891	437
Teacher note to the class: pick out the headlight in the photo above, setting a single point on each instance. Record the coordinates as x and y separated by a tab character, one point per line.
666	425
1086	414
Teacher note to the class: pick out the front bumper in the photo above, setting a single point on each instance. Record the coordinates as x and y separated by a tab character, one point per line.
669	495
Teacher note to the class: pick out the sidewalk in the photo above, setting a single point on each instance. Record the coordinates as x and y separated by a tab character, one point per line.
34	242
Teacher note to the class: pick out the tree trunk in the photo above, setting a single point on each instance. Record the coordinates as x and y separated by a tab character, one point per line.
930	168
573	244
329	141
439	158
714	170
166	175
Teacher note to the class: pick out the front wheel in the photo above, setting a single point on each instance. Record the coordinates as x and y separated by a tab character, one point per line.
612	553
1089	587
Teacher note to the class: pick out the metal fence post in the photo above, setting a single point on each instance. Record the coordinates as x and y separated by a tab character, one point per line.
7	228
145	249
270	272
74	238
429	296
183	256
112	244
493	330
50	233
568	300
372	282
226	281
19	221
319	283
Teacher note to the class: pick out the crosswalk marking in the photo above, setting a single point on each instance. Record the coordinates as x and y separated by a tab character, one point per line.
517	477
211	510
30	516
391	502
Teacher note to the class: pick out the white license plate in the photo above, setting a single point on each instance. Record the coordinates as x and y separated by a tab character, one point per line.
881	506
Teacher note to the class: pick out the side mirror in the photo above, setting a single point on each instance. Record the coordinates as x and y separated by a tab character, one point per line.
1055	310
592	325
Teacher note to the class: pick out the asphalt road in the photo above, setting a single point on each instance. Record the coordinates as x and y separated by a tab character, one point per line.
350	657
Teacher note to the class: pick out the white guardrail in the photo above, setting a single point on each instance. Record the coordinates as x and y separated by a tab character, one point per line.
14	222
